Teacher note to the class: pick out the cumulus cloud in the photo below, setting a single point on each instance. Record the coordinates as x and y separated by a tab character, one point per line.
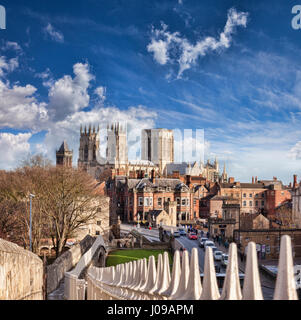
16	149
53	34
295	152
19	108
68	95
165	44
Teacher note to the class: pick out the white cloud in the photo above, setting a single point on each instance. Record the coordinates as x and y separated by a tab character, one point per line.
101	93
15	148
163	43
295	152
54	34
19	108
7	66
11	45
68	95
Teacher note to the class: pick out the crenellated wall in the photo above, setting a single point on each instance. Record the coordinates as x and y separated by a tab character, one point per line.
21	273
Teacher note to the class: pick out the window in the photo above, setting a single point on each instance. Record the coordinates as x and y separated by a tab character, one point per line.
146	202
244	195
168	199
256	203
245	203
151	201
194	201
140	201
187	201
99	223
97	233
250	203
183	202
178	202
250	195
262	203
160	202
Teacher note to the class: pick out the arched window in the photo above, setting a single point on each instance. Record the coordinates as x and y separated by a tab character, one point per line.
86	154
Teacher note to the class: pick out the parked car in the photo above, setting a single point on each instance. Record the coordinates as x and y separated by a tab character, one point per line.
182	232
218	255
208	243
202	242
225	259
193	236
176	234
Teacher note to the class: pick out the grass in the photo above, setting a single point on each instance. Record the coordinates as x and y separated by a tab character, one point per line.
122	256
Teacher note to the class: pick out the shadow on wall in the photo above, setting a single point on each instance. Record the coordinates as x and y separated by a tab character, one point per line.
66	262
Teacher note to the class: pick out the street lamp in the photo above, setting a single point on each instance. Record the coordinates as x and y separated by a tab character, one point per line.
138	225
30	221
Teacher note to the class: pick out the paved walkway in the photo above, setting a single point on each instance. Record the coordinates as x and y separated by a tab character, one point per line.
57	294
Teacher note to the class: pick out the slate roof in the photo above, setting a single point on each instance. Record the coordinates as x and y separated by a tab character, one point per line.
64	147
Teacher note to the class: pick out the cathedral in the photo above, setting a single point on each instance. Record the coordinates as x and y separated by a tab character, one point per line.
157	155
116	153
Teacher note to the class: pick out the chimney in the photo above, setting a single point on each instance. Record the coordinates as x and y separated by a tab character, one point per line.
252	179
231	180
237	183
275	178
295	182
256	180
188	180
290	185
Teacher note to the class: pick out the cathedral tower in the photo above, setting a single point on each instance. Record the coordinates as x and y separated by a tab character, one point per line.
117	151
88	148
64	156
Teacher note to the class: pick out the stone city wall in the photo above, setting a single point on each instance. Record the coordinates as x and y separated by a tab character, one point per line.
66	262
21	273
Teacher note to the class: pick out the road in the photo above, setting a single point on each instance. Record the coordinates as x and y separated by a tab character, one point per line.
267	284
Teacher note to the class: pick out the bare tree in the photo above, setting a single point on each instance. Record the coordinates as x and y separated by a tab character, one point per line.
70	202
284	215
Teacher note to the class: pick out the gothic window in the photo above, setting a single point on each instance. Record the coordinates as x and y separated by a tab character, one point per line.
86	154
94	153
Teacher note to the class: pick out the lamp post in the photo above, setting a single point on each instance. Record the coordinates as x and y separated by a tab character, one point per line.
138	225
30	221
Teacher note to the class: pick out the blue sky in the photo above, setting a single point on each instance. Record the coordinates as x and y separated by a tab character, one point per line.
231	68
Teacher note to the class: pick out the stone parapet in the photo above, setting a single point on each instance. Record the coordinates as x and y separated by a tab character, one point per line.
21	273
